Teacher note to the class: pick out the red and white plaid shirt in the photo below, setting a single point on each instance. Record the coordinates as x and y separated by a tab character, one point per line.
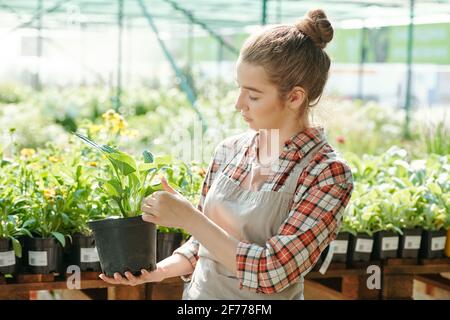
323	191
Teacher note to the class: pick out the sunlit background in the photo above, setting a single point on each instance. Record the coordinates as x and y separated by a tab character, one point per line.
165	71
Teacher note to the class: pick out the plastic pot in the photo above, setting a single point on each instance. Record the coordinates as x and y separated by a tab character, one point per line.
409	244
385	245
167	243
360	247
43	256
340	247
8	260
125	244
432	244
83	253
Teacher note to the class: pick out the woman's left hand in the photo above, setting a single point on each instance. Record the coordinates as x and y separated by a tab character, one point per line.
167	208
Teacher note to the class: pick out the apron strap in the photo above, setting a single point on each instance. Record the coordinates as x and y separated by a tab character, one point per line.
291	184
240	144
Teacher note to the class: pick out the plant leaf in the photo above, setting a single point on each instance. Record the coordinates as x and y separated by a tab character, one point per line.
59	237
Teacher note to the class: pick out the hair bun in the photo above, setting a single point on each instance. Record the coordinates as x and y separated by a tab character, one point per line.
316	26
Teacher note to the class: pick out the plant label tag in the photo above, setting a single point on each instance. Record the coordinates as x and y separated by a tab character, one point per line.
327	261
364	245
339	246
412	242
37	258
389	243
88	255
438	243
7	259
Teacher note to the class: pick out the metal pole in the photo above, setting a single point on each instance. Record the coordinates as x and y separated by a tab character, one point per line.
119	54
361	63
130	51
219	59
409	69
264	12
37	80
190	47
185	86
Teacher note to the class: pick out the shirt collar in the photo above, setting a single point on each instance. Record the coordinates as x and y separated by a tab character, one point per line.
305	140
301	142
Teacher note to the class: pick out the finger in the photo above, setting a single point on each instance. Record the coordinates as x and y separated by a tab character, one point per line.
147	209
148	218
108	279
167	187
119	278
130	277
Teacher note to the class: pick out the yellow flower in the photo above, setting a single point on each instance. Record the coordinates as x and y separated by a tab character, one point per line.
27	153
92	164
49	194
54	159
94	129
109	115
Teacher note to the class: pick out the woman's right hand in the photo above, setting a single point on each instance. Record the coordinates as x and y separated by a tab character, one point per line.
130	280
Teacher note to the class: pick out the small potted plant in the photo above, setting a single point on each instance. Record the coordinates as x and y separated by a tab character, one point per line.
126	242
411	232
78	205
434	234
168	239
11	206
43	251
358	223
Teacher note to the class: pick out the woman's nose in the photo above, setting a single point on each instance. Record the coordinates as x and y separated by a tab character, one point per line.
239	105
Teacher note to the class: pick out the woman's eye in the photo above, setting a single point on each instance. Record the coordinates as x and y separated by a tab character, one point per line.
253	98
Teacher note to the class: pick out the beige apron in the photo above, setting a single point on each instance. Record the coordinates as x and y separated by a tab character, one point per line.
254	216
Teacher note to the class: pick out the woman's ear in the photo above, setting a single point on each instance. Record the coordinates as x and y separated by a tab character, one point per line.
296	98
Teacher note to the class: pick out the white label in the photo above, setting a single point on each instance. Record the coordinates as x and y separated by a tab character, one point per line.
37	258
88	255
7	259
339	246
412	242
389	243
364	245
438	243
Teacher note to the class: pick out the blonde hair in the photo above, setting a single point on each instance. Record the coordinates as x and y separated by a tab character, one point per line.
293	55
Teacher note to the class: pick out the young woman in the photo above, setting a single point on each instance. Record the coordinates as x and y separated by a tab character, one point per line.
264	217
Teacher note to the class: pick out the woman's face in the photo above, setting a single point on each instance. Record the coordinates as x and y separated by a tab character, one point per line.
258	100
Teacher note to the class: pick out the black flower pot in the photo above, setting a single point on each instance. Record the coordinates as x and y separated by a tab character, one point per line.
83	253
125	244
433	244
360	247
43	256
8	259
167	243
409	244
340	247
385	245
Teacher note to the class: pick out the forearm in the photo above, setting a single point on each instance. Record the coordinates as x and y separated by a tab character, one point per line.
174	266
219	242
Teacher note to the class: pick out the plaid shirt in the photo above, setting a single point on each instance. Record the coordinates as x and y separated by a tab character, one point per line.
323	191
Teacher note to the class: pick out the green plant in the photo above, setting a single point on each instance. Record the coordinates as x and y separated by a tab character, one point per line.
126	183
11	207
437	138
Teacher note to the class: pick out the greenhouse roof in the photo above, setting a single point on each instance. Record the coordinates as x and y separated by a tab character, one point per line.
218	15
